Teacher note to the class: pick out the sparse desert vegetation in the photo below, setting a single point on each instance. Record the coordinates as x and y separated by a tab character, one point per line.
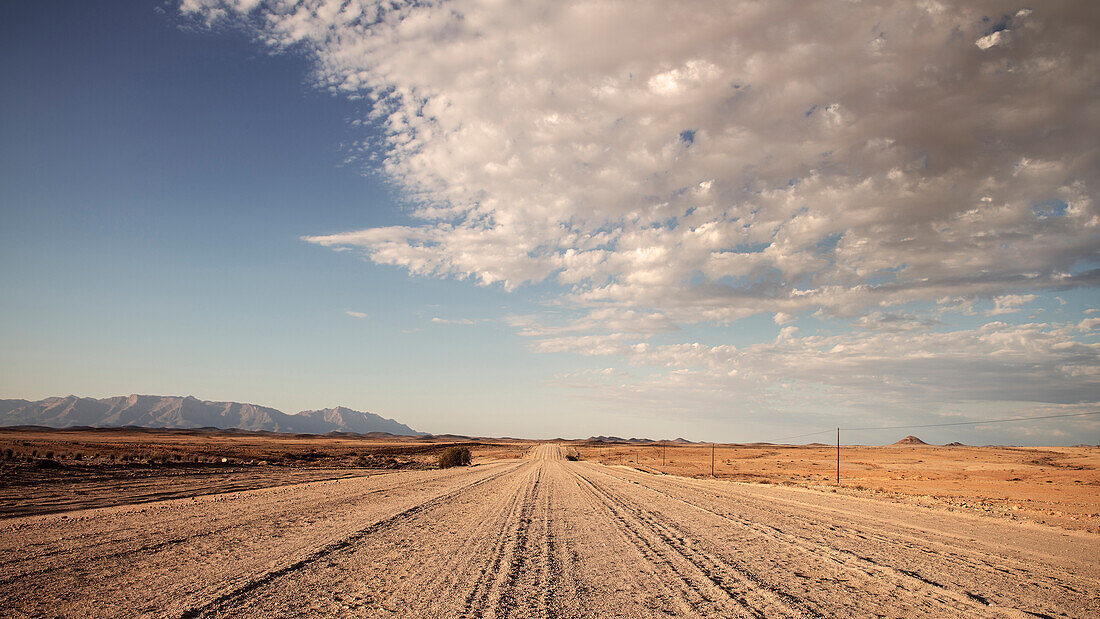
119	466
454	456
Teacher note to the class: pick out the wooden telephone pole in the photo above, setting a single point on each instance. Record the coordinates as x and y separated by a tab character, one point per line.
838	456
712	459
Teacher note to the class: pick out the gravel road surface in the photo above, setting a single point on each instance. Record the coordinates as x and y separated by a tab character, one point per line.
539	537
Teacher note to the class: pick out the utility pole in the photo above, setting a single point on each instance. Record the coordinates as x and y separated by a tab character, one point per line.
838	456
712	459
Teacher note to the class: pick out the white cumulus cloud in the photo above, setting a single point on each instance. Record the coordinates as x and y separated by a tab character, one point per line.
1010	303
773	157
694	162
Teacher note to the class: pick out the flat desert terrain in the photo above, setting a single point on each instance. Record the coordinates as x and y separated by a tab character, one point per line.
366	528
1046	485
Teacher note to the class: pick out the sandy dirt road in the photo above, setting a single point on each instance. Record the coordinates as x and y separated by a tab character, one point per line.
543	537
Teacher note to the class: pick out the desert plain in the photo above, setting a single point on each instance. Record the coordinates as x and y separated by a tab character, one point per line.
190	523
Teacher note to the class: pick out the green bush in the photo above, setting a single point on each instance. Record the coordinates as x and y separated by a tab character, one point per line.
454	456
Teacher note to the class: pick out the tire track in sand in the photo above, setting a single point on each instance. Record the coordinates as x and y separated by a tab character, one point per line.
508	550
807	545
489	553
709	586
347	541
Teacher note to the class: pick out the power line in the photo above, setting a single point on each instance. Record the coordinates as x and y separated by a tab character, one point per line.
971	423
787	438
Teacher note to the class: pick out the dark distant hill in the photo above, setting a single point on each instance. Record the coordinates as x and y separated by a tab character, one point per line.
153	411
910	440
617	439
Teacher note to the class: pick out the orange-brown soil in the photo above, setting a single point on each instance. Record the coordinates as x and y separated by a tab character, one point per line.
1052	485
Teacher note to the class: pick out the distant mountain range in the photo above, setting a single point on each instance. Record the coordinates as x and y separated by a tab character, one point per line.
152	411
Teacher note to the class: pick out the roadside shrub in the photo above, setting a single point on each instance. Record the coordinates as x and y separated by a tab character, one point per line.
49	455
454	456
8	454
572	457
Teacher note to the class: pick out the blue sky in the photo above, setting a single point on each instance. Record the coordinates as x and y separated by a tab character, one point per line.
525	243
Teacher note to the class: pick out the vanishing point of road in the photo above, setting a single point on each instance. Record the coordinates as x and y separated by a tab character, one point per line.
540	537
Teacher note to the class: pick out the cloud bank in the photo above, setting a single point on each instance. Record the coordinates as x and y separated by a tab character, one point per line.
684	163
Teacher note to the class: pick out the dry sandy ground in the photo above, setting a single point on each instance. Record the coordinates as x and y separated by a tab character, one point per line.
540	537
1048	485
